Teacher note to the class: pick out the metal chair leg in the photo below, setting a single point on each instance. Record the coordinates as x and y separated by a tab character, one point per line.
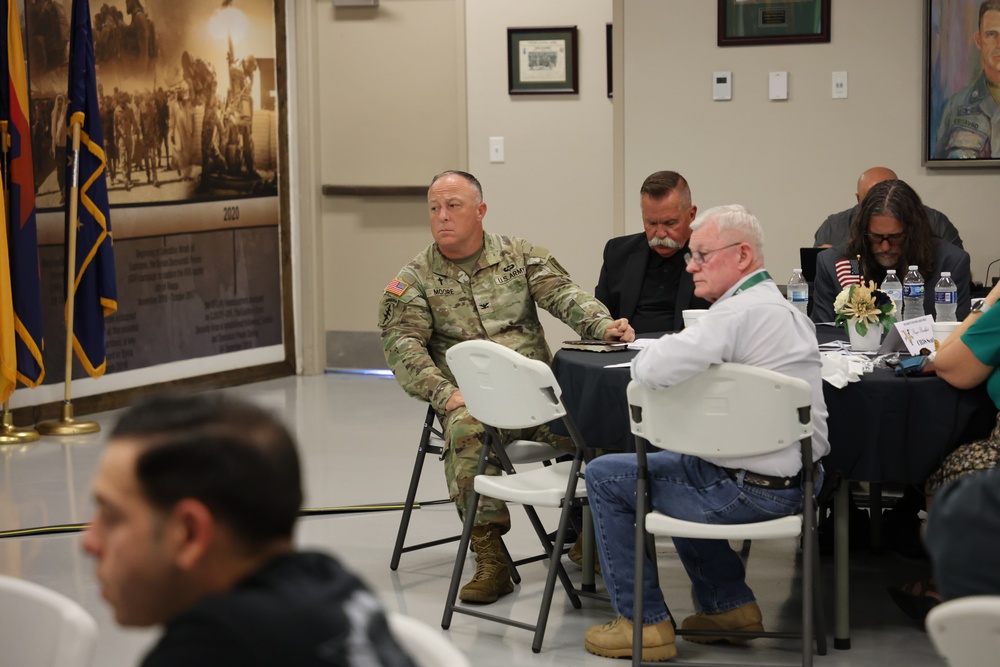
424	450
411	492
463	548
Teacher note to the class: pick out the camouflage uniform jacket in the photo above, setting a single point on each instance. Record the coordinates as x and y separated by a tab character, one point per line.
434	304
970	125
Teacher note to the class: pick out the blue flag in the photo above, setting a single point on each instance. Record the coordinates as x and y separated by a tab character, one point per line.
95	289
22	236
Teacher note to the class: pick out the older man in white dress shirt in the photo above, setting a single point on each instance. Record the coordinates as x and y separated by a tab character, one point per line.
749	322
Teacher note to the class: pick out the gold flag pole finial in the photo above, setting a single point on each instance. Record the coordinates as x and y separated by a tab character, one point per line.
66	425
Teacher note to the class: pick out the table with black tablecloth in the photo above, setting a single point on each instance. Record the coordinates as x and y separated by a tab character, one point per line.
884	428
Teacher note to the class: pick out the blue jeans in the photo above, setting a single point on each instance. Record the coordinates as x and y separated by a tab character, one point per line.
688	488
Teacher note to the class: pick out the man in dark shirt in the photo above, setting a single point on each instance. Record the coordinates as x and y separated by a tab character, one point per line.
197	498
643	277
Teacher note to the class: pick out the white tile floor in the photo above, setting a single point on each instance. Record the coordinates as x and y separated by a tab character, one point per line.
358	439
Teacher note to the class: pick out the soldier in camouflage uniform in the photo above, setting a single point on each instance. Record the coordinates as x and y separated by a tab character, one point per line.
467	286
970	124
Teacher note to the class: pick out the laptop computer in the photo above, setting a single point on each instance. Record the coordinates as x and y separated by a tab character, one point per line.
807	260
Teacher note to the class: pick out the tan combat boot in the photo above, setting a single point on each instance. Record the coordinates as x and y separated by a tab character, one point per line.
492	577
746	618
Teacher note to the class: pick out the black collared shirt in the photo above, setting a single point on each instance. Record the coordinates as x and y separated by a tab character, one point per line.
658	296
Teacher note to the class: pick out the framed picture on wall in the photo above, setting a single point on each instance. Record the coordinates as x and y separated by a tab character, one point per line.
962	88
542	61
753	22
607	42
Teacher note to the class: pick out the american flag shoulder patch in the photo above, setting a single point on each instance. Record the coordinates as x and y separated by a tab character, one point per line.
396	287
847	272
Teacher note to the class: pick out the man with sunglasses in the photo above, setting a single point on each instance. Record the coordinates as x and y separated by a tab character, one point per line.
749	322
890	230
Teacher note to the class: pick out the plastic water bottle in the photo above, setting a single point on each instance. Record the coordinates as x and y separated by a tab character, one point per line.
797	291
894	289
913	294
946	298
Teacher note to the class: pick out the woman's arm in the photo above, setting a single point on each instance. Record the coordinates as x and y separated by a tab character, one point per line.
954	362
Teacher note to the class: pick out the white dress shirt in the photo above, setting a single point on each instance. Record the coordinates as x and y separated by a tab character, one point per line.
757	327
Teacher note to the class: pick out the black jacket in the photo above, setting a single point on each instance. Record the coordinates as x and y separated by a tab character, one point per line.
618	288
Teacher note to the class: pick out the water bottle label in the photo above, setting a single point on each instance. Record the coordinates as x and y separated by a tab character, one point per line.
915	290
798	296
946	298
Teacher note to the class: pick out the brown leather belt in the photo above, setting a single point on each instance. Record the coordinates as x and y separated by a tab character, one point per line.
764	481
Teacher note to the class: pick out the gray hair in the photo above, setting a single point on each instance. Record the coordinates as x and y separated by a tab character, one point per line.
735	218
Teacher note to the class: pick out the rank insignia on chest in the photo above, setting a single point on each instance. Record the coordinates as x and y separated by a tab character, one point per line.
396	287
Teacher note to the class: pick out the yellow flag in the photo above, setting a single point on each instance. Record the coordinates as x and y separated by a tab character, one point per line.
8	359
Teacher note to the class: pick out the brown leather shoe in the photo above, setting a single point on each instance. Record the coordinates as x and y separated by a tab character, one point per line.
614	640
492	577
742	619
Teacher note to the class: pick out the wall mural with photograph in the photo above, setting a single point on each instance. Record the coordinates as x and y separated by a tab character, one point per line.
188	98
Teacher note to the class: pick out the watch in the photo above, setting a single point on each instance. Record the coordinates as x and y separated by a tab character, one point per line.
980	306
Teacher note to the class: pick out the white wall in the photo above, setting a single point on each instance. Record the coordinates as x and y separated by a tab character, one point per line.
565	180
392	109
555	187
796	161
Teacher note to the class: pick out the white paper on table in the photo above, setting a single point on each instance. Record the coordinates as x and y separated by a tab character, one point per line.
626	364
641	343
840	369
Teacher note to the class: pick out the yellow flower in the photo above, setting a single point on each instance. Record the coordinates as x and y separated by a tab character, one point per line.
863	304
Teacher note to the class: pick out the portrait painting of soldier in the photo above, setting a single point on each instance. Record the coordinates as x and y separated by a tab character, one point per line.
964	104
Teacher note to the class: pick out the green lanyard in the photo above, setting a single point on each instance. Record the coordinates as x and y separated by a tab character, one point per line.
758	277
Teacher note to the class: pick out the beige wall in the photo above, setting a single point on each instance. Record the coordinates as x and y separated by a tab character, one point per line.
392	108
416	86
555	187
796	161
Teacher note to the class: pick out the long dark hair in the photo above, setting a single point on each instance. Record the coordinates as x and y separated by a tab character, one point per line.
898	200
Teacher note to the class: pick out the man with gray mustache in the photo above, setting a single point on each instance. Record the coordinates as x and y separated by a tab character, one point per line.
643	276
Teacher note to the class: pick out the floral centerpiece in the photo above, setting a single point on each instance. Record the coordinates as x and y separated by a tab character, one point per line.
864	306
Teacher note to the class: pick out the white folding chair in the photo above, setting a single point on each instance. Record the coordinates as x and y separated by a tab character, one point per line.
966	631
729	410
43	628
506	390
423	643
431	444
424	449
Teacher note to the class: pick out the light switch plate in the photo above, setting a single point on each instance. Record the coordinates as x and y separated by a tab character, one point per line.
777	86
496	149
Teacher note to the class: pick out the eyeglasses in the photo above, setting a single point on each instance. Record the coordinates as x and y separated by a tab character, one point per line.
700	257
879	239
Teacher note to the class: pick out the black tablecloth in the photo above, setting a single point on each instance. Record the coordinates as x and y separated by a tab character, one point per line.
885	428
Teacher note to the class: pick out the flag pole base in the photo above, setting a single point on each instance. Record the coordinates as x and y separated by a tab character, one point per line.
11	435
67	425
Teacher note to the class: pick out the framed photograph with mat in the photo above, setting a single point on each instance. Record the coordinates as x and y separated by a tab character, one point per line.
754	22
542	61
